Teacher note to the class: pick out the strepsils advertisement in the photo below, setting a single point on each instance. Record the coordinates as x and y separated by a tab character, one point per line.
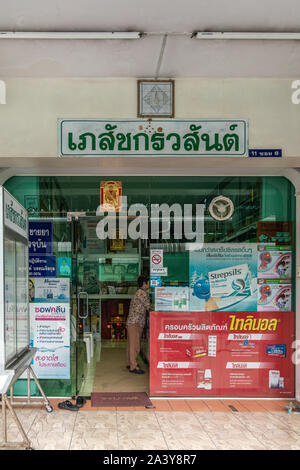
223	276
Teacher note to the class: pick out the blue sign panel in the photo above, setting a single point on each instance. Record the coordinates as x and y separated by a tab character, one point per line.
42	266
40	238
278	350
155	281
262	153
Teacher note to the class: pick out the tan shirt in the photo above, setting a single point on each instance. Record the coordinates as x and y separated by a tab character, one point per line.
139	304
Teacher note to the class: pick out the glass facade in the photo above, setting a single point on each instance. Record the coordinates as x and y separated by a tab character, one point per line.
107	270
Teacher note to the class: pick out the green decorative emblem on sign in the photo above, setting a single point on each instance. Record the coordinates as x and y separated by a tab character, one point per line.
159	137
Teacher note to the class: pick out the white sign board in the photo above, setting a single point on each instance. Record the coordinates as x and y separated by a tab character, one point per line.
156	258
15	216
157	263
50	334
157	138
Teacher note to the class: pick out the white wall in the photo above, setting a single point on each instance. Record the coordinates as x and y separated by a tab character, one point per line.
28	120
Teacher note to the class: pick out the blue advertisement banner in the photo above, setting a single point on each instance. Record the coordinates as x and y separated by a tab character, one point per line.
40	238
42	266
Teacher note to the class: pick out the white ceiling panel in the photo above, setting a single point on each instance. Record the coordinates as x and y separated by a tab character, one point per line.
183	56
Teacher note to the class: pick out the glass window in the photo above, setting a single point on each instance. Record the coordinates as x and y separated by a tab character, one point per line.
10	299
22	296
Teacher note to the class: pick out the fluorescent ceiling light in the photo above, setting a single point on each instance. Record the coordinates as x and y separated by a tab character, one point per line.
241	35
69	35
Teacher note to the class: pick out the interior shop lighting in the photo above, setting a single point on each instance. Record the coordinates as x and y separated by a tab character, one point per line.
69	35
245	35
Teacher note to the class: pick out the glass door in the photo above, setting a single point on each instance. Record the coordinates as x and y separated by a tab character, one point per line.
79	305
87	249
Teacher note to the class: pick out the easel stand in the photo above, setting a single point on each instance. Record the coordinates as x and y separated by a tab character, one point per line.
8	378
5	443
32	402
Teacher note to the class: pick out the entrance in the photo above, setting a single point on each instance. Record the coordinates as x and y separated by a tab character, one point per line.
104	279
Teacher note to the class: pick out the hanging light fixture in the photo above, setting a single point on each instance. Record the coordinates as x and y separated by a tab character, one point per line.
70	35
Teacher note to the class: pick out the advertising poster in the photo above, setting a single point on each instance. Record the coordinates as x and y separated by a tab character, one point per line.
171	298
245	354
49	290
274	262
50	334
155	281
64	266
274	295
223	276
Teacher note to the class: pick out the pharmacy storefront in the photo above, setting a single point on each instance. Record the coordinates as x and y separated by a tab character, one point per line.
220	254
205	204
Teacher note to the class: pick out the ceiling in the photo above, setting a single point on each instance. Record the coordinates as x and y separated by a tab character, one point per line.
182	56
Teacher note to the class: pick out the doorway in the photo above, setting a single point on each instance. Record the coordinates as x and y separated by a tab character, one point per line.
104	280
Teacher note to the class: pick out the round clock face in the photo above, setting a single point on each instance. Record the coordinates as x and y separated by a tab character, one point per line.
221	208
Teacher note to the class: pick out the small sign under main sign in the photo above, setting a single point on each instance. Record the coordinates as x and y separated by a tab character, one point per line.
263	153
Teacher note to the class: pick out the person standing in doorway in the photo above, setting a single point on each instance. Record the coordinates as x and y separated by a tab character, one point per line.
139	305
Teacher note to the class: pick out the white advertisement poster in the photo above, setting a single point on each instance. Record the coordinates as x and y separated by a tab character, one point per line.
49	289
171	298
50	334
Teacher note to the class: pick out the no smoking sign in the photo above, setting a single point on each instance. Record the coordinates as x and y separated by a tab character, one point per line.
157	263
156	257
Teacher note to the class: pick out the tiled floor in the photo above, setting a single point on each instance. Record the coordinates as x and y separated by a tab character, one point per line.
173	424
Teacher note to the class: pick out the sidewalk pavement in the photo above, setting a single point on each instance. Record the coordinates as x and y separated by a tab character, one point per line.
172	425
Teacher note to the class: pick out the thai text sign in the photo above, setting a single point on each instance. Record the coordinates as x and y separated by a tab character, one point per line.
159	137
50	334
15	215
40	238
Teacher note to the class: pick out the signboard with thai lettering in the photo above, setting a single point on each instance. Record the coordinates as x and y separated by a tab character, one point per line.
153	138
15	215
